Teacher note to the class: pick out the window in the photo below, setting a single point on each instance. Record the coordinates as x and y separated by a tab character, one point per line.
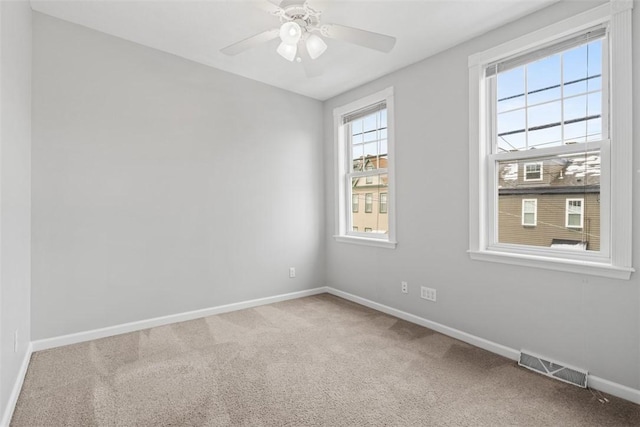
545	104
364	152
533	171
529	212
383	203
574	213
355	203
369	179
368	202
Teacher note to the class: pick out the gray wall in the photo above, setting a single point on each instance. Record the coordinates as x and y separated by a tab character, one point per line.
585	321
15	181
162	186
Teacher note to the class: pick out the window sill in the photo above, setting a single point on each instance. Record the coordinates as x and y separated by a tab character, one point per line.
571	266
366	242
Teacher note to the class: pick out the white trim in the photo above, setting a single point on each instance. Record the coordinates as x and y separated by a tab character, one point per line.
614	389
564	28
596	383
615	257
438	327
571	266
366	241
17	387
343	227
109	331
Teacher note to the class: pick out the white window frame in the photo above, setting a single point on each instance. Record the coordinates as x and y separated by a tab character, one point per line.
614	259
567	203
535	212
526	165
343	164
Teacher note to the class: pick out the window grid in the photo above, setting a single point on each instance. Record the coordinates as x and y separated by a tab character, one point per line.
561	100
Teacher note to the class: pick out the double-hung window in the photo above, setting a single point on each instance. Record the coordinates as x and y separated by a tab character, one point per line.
529	212
550	144
575	213
364	148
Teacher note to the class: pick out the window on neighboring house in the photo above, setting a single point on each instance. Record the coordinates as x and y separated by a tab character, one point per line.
369	179
574	213
355	203
383	203
529	212
364	143
546	102
368	202
533	171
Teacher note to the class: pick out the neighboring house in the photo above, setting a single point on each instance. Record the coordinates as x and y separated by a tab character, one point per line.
552	202
369	197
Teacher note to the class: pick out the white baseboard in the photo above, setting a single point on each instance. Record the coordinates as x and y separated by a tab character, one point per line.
614	389
109	331
17	386
595	382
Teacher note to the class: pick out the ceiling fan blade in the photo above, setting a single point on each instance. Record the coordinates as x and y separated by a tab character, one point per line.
311	67
269	6
250	42
360	37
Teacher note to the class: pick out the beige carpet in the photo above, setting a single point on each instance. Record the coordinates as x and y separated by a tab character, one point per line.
313	361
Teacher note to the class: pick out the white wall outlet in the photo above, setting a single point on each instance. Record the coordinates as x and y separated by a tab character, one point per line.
404	287
15	341
428	293
292	272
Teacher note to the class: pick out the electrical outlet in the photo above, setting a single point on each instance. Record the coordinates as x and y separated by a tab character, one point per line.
292	272
428	293
404	287
15	341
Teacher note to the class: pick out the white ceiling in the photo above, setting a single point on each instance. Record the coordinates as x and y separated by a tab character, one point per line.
197	30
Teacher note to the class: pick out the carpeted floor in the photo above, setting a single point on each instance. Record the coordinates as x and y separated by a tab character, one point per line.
319	360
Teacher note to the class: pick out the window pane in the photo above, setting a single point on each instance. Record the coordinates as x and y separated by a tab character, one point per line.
574	220
370	122
511	131
543	80
575	176
511	89
375	198
369	141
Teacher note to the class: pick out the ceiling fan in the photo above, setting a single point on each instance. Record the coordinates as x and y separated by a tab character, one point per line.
301	34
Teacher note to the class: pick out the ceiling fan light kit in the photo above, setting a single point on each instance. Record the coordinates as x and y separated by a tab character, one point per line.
300	32
290	32
315	46
287	51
